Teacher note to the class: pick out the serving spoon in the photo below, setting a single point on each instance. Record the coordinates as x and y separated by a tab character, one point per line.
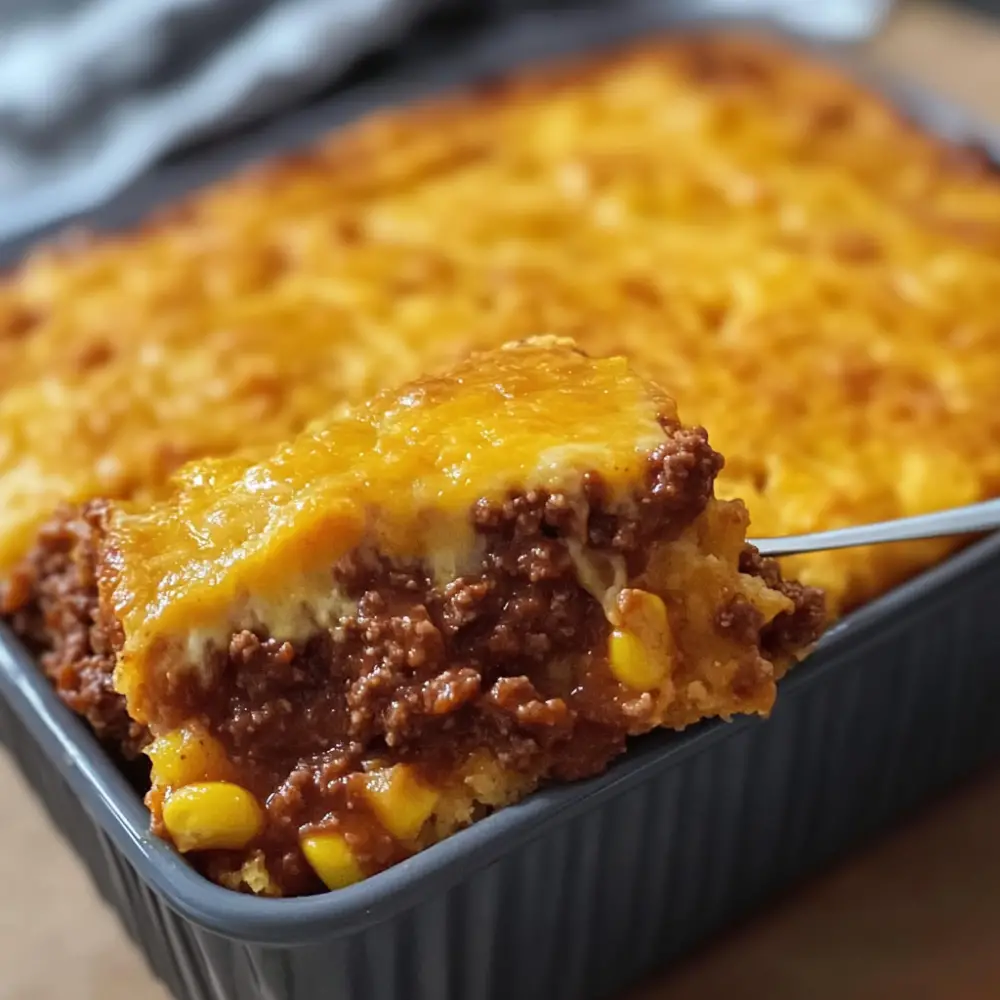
973	518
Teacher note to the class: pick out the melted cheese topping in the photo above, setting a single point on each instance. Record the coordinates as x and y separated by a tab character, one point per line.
243	541
814	279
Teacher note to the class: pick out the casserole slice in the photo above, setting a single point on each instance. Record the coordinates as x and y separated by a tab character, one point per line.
420	608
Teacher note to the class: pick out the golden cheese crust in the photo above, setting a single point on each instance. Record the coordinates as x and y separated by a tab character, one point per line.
814	278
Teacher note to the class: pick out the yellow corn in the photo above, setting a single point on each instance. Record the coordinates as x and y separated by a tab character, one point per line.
185	756
631	663
641	652
332	859
400	800
212	815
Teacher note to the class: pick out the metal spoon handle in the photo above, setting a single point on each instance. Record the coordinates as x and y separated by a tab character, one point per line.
974	518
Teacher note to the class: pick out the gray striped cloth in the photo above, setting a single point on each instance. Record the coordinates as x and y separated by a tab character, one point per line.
92	92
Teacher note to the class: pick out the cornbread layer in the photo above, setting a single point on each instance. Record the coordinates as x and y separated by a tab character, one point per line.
813	277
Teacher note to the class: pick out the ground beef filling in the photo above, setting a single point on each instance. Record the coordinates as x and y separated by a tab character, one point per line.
420	673
50	601
794	630
434	669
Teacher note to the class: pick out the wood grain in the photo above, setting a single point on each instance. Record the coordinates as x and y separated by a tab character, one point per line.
950	49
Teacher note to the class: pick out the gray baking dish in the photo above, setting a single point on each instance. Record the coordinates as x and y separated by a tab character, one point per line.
582	889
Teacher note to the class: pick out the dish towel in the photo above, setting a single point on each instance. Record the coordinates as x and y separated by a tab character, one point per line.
93	92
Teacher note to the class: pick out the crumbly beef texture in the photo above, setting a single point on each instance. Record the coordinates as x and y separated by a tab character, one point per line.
50	601
791	630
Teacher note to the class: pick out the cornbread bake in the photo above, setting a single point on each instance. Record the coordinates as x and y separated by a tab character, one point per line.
418	609
811	276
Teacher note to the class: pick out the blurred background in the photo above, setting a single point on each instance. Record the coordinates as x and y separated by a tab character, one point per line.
93	92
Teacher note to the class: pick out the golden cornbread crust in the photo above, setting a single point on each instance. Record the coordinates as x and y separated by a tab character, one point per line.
814	278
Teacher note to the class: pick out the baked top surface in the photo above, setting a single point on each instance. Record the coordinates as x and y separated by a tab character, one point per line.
814	279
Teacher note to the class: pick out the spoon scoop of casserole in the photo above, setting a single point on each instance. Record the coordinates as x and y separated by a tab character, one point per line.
422	607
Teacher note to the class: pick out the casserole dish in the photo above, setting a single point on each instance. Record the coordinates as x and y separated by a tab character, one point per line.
579	890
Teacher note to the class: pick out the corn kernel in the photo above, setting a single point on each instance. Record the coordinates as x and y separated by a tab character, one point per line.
641	652
400	800
631	663
212	815
185	756
332	859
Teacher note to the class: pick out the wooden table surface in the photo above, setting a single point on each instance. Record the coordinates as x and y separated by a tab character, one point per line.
917	915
